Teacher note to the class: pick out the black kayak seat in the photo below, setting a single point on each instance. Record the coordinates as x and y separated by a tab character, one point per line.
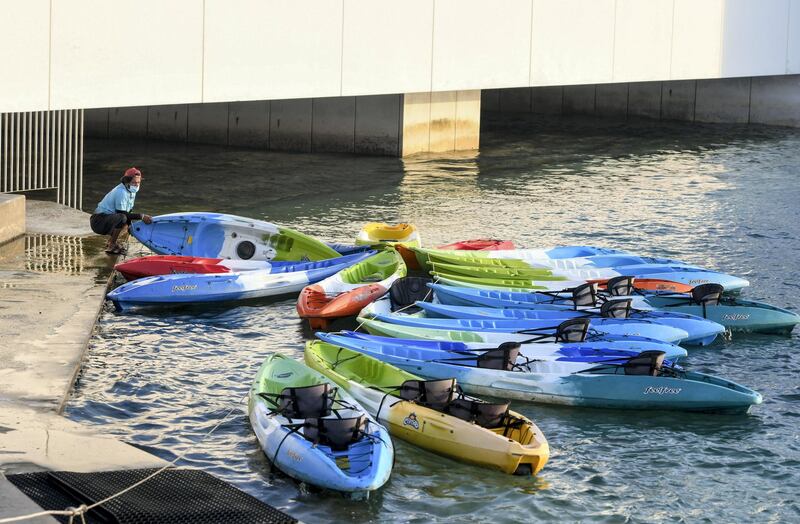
503	357
572	330
405	291
484	414
645	363
585	295
620	308
620	286
435	394
307	401
707	294
337	433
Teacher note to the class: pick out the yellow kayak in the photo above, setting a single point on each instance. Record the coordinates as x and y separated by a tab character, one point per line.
379	233
510	442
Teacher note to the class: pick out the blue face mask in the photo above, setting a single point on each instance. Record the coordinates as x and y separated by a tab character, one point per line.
133	189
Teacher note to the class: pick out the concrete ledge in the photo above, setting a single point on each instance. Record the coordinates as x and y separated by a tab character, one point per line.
12	217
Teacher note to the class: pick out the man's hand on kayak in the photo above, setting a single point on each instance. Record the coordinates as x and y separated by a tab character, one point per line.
147	219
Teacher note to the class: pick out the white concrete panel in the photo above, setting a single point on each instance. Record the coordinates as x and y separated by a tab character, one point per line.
24	55
572	42
697	39
481	44
643	40
281	49
755	38
793	47
126	52
386	46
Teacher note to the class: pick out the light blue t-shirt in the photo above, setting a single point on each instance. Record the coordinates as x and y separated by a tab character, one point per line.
118	198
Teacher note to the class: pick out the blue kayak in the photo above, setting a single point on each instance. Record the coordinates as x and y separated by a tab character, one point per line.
640	382
610	326
217	235
733	313
218	287
701	331
556	350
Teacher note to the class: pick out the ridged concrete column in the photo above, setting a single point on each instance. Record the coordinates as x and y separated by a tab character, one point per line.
442	121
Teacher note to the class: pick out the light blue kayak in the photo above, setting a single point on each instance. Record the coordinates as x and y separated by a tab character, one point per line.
734	313
643	382
609	326
185	288
701	331
329	441
553	350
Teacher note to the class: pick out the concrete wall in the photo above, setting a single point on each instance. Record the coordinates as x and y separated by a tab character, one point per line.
58	54
390	125
772	100
436	122
12	217
363	124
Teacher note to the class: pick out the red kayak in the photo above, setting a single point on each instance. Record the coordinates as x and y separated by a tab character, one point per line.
480	244
167	264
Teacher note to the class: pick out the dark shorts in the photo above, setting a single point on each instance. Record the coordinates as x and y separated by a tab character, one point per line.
103	224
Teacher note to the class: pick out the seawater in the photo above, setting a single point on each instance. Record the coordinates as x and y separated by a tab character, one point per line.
720	196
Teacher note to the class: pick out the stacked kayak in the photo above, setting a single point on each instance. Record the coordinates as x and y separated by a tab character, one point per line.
535	325
644	381
218	287
216	235
433	414
381	234
524	266
705	301
316	432
347	292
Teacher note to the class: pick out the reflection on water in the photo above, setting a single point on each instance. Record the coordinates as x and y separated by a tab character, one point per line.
54	254
719	196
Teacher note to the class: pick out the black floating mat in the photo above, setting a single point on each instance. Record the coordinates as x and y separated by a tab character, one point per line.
174	496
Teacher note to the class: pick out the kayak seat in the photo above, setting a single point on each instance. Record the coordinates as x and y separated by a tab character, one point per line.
585	295
573	330
408	290
337	433
645	363
304	402
484	414
616	309
435	394
620	286
707	294
504	357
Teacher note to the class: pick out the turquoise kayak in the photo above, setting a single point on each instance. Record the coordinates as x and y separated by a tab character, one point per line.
641	382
